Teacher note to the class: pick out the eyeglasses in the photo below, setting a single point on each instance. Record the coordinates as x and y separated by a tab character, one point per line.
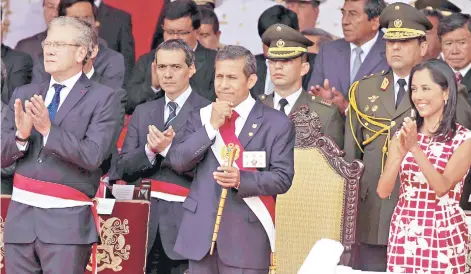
177	32
57	45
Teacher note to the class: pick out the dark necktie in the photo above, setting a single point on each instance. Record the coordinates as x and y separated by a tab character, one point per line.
283	102
458	76
402	91
173	113
54	105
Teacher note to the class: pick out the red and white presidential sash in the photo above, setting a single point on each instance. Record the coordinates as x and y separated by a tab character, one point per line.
262	206
51	195
168	191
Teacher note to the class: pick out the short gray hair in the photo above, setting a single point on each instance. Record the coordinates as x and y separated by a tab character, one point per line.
88	36
178	44
231	52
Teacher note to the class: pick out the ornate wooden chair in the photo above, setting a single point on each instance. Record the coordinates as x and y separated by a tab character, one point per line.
322	202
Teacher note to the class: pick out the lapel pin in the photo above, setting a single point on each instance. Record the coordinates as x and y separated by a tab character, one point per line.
374	108
384	84
367	108
250	134
254	126
82	91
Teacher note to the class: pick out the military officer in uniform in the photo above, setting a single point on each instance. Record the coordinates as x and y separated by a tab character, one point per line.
378	105
287	55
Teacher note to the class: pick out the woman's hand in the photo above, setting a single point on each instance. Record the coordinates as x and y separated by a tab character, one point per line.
408	135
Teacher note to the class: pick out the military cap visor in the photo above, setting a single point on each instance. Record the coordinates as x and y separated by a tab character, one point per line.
403	22
444	6
284	42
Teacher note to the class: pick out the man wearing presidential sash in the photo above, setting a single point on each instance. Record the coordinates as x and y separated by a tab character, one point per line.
263	166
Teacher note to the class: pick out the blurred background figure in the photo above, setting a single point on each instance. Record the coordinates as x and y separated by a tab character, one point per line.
318	37
307	11
209	33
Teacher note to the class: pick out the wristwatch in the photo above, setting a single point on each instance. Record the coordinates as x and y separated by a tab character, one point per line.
21	140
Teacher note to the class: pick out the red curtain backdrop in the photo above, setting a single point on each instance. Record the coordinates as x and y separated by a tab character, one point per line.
145	14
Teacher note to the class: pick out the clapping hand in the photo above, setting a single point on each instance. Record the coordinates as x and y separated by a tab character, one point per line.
23	122
408	136
158	141
332	94
37	110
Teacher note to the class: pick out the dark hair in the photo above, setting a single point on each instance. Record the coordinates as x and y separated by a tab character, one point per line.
323	35
433	13
209	17
372	8
178	44
444	76
277	15
183	8
314	3
453	22
231	52
65	4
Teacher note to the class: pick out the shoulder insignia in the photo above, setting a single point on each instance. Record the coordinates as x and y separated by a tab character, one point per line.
384	84
313	98
262	97
326	102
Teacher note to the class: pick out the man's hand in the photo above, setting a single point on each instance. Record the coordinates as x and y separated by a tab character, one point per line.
220	112
332	94
158	141
24	123
227	177
37	110
155	79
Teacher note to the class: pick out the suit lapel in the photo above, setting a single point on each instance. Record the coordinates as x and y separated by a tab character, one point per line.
157	117
466	81
182	116
78	91
387	96
269	100
344	66
252	125
374	57
303	99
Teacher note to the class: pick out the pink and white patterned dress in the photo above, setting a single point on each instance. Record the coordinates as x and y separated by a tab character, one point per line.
428	233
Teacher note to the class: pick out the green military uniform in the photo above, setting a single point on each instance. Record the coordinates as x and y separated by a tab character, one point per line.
286	43
372	118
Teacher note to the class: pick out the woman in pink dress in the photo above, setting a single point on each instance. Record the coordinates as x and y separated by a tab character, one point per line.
432	155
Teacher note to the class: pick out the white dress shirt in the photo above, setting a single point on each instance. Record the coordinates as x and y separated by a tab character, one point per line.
243	109
396	85
90	73
366	48
291	100
69	84
180	101
97	3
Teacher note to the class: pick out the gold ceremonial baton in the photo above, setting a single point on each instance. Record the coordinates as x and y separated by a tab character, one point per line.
229	153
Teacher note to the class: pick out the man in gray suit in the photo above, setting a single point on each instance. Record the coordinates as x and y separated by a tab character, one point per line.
109	63
263	171
58	143
150	132
361	52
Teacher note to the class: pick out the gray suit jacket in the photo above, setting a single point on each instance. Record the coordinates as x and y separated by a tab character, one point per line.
18	67
333	63
134	165
108	63
242	241
466	81
80	138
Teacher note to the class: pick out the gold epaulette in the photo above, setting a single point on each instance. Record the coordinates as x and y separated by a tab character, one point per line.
383	72
384	124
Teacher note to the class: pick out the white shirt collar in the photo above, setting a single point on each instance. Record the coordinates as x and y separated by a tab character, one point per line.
97	3
90	73
465	70
397	78
244	108
366	47
69	83
292	98
180	99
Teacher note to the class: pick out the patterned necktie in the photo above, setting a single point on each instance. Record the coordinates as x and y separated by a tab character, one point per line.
54	105
458	77
283	102
173	113
402	91
356	63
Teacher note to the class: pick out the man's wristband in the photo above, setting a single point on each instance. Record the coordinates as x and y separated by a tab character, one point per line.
20	139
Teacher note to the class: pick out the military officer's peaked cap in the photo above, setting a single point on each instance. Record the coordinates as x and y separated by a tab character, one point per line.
204	2
305	1
403	22
284	42
445	6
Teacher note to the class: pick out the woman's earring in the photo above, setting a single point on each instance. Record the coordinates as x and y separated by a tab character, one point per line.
446	101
